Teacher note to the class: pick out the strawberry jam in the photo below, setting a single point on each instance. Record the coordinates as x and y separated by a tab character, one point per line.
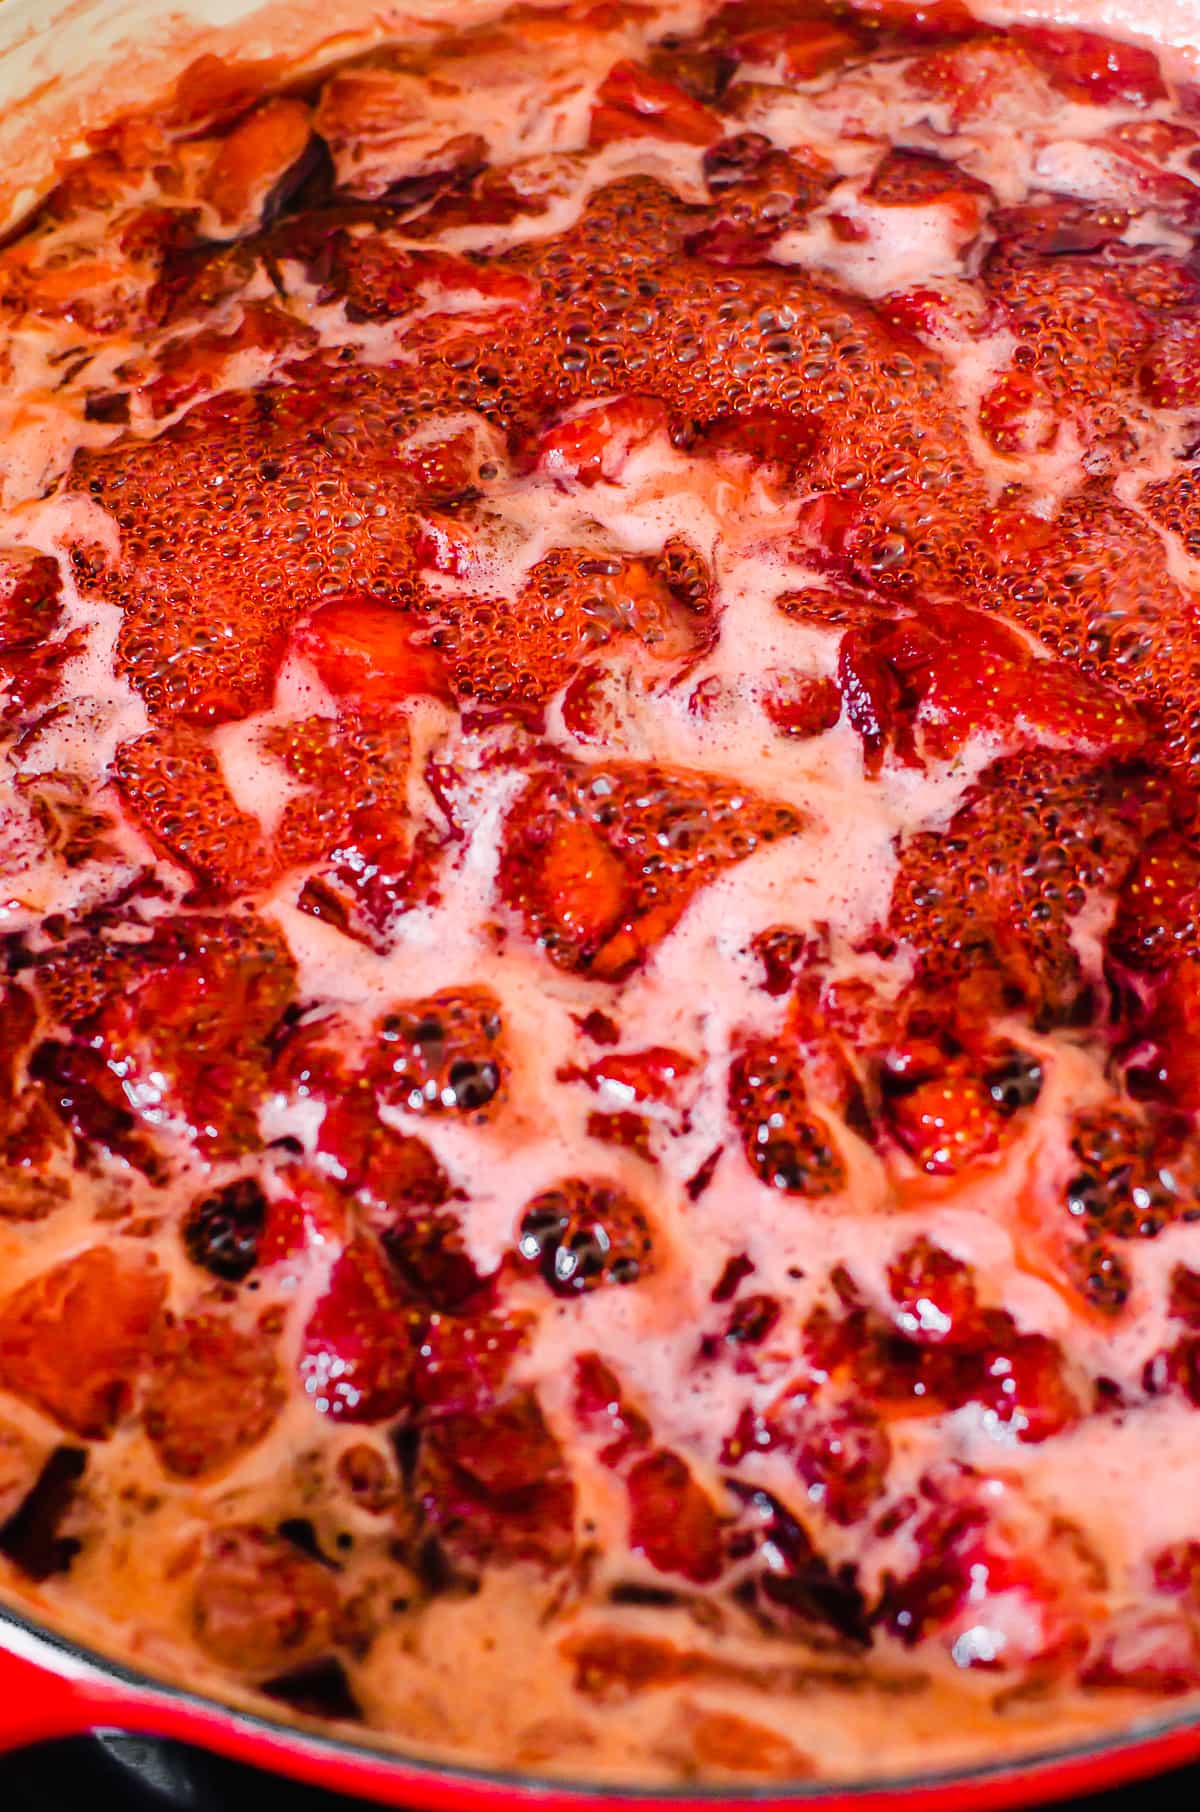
600	890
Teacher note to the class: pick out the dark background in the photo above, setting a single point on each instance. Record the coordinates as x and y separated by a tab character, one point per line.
111	1773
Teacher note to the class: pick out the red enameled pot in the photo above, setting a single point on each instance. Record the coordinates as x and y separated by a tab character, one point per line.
70	65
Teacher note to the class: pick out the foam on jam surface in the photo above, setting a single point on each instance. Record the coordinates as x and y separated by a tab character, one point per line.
599	892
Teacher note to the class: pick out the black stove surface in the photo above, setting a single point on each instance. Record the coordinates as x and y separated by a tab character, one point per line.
112	1773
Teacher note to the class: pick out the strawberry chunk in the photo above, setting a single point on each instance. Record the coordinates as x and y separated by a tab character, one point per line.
798	50
1092	68
257	163
215	1392
649	1075
75	1338
1170	374
801	706
356	1353
672	1519
603	1410
787	1144
30	598
260	1605
495	1486
371	653
666	831
171	784
463	1360
632	102
949	1106
597	441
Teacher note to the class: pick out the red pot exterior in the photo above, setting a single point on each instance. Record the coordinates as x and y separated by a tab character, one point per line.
38	1703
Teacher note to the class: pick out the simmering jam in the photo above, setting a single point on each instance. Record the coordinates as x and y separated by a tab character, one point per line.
600	890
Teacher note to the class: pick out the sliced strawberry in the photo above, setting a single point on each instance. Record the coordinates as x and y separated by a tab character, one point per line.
257	162
694	825
603	1410
987	77
841	1450
949	1107
770	437
172	784
800	706
260	1605
672	1519
935	1294
798	50
356	1353
1170	374
190	1038
30	598
631	102
495	1486
787	1144
1017	415
649	1075
199	364
371	653
75	1338
216	1389
370	1159
597	441
463	1361
1093	68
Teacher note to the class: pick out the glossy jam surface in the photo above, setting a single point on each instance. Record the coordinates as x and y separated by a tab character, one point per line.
600	891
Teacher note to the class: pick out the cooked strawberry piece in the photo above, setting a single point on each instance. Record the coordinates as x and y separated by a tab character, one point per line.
1176	1570
462	1361
1044	831
356	1353
30	676
1167	1067
442	1054
581	885
258	161
934	1293
1089	67
495	1487
30	598
632	102
784	438
793	1585
1054	225
259	1604
918	179
371	653
74	1339
507	657
760	192
728	1744
949	1106
672	1519
799	49
84	1091
215	1391
313	1215
1017	416
800	706
196	365
371	1159
1184	1300
172	785
582	1234
669	830
1170	374
1019	1379
649	1075
1148	1652
603	1410
597	441
841	1451
925	685
189	1039
786	1143
426	1251
985	78
995	1601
